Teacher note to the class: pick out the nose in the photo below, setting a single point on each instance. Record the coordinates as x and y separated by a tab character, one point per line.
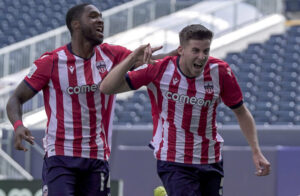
100	19
202	56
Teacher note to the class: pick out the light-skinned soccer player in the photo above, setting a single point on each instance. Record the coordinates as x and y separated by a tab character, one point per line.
185	91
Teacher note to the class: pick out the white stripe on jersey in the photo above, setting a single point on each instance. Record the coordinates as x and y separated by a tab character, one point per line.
49	139
67	102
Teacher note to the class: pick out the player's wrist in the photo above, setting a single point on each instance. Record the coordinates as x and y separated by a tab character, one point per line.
17	124
132	61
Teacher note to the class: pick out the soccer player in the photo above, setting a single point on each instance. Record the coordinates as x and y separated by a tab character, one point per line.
185	91
78	134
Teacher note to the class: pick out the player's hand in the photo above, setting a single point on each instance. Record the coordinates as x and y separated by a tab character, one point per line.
22	133
143	54
263	167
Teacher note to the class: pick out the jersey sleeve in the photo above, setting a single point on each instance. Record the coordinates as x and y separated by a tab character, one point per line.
40	72
231	93
143	75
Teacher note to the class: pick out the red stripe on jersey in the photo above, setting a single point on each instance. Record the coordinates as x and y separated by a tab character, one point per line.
171	153
76	109
203	118
47	106
186	123
60	133
214	133
157	85
92	110
155	113
103	121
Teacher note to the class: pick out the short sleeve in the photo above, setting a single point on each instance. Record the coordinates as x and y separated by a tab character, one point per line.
142	76
231	93
40	72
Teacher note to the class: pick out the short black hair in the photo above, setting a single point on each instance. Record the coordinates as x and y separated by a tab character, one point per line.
74	13
194	31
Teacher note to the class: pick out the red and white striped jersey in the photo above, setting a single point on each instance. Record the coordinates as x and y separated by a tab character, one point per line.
184	109
79	116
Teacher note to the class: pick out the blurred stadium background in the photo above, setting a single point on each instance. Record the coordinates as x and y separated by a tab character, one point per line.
258	38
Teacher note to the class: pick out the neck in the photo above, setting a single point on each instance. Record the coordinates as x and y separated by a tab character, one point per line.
82	48
183	67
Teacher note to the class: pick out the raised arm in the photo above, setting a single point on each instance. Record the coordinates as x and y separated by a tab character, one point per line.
14	112
248	128
115	81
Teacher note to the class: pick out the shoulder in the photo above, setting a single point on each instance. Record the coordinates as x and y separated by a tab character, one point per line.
49	56
166	60
219	64
111	47
114	52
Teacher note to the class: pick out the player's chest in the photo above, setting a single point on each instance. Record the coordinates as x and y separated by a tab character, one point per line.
79	76
186	91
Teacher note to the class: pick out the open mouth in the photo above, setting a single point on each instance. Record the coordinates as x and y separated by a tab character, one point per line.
99	30
198	65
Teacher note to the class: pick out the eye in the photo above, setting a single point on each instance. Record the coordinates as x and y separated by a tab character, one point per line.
206	51
195	50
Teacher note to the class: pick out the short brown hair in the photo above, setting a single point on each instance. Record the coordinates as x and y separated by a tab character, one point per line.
194	31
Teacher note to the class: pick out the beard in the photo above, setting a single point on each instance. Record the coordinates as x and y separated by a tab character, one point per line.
91	37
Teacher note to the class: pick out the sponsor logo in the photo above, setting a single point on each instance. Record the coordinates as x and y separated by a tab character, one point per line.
82	89
101	66
33	68
188	100
209	87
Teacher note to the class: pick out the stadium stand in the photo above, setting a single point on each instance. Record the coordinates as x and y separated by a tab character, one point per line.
25	19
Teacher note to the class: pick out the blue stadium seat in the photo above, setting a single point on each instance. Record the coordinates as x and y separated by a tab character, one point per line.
50	13
126	117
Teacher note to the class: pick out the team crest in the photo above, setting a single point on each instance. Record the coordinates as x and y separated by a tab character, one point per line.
209	87
101	66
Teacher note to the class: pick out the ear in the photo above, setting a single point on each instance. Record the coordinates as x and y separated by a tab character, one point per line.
180	50
75	24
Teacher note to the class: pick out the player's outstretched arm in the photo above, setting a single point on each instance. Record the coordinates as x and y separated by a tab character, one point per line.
115	81
248	128
14	112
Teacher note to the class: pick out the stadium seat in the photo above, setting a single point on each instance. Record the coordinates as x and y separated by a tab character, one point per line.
39	16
